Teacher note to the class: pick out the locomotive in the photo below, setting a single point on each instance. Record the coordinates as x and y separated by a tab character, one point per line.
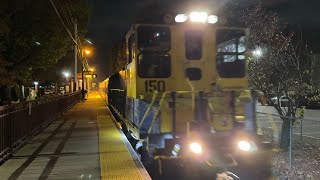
184	103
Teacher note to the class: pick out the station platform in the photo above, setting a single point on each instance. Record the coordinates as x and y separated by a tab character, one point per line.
84	143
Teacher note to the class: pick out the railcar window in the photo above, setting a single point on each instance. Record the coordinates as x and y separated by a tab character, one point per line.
230	53
131	48
154	38
193	45
154	66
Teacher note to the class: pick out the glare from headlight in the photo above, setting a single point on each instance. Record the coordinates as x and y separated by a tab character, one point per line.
196	148
244	145
212	19
198	17
181	18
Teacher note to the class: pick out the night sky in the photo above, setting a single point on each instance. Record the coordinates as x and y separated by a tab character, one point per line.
110	20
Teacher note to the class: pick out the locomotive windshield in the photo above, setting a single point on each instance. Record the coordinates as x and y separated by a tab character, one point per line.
193	45
154	65
154	38
230	53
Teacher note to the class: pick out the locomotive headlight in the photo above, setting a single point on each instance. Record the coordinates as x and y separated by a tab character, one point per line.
181	18
196	148
198	17
212	19
244	145
247	146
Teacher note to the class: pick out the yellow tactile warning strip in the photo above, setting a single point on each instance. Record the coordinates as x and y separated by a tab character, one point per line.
116	161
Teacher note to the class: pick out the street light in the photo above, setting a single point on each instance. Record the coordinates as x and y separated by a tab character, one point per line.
86	53
36	83
66	75
257	52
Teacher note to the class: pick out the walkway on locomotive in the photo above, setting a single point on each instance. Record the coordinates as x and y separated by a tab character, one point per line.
84	143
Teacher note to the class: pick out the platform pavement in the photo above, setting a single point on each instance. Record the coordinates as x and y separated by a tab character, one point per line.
83	144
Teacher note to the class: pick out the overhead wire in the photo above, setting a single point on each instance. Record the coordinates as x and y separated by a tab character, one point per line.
68	15
64	25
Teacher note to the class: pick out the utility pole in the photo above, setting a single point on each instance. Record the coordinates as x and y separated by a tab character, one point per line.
75	57
82	77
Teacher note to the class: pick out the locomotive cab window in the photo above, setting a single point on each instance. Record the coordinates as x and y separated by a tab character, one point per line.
230	53
153	38
154	66
193	45
131	48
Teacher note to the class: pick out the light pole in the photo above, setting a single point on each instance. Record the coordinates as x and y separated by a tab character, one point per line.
66	74
36	83
82	81
86	52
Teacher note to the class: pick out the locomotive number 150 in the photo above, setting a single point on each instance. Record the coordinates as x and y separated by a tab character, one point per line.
154	85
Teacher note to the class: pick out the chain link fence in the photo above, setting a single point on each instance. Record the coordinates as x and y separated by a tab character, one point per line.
304	129
304	135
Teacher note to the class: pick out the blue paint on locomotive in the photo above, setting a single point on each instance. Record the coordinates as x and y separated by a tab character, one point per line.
136	109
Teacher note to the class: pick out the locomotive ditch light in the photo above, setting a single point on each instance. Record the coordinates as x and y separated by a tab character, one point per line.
196	148
247	146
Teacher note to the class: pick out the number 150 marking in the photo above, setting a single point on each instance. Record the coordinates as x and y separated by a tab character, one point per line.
154	85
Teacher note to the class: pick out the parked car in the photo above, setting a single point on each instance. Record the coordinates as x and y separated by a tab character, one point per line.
313	103
48	92
284	101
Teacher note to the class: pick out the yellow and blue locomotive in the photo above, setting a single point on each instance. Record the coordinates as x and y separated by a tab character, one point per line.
183	99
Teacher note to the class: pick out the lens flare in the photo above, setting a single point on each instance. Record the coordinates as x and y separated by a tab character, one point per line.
196	148
181	18
244	145
198	17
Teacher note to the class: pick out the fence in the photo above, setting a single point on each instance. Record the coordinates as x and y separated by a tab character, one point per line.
20	121
304	133
303	129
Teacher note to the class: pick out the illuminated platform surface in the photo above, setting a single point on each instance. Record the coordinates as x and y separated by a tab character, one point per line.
83	144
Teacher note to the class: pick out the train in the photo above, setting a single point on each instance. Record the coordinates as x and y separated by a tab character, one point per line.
183	100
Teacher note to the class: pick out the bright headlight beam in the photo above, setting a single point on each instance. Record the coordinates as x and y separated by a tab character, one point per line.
244	145
212	19
196	148
198	17
181	18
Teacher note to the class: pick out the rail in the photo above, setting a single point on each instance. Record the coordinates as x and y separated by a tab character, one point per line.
19	122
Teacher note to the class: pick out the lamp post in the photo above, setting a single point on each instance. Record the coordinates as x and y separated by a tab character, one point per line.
66	75
36	83
86	52
82	81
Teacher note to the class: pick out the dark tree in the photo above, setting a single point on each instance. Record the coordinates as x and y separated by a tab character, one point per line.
279	63
32	36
